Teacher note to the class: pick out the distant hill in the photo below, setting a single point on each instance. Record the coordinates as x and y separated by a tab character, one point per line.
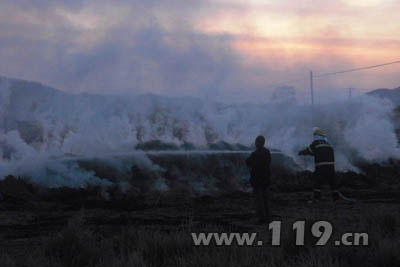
392	94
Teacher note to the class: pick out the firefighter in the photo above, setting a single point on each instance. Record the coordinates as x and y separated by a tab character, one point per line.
259	165
324	160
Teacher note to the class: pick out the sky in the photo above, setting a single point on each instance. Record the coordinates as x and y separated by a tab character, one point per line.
233	50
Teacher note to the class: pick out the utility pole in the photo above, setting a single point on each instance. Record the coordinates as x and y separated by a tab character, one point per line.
312	89
350	93
312	98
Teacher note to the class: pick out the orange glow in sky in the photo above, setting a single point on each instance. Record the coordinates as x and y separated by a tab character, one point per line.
360	31
185	46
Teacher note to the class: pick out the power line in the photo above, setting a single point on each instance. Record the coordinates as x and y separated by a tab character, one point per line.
356	69
330	73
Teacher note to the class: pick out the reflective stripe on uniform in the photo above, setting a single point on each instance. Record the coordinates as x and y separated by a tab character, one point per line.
324	163
322	145
309	149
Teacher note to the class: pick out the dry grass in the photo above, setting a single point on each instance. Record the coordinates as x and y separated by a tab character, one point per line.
79	245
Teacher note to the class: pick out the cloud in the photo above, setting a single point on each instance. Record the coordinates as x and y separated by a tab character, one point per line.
167	46
80	49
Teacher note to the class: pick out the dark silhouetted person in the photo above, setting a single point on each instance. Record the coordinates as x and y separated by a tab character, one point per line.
324	160
259	164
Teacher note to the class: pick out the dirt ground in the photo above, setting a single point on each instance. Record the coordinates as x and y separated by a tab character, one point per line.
81	227
25	224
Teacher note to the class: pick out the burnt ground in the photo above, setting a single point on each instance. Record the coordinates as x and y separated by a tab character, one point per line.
24	222
43	227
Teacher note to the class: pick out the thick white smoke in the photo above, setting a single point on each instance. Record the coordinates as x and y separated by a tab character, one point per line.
39	125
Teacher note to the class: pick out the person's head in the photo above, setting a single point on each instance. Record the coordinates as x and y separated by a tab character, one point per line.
318	131
260	141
